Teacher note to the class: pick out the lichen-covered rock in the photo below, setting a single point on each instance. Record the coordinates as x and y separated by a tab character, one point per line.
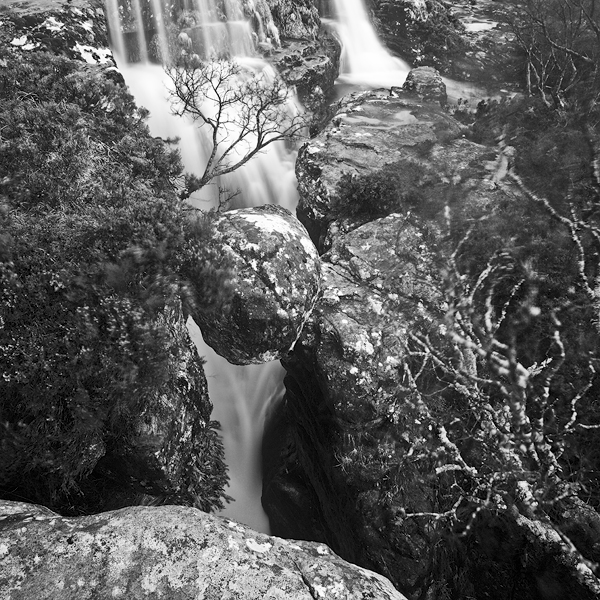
311	67
74	29
380	283
167	552
427	83
176	455
298	19
276	282
369	131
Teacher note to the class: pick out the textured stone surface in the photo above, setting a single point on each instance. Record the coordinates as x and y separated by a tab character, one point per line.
312	68
380	282
427	83
298	19
168	552
175	451
369	130
74	29
276	282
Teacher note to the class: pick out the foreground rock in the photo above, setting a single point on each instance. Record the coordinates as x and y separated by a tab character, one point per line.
276	282
167	552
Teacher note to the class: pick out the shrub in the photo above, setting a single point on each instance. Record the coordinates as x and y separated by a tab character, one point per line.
396	187
95	246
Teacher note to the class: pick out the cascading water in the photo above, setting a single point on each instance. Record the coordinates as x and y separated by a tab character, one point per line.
365	61
240	394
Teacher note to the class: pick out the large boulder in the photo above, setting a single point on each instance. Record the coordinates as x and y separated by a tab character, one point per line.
380	283
275	281
166	552
175	455
369	131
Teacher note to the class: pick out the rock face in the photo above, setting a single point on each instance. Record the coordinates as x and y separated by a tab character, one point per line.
167	552
351	428
312	68
342	384
308	56
297	19
276	282
176	454
369	131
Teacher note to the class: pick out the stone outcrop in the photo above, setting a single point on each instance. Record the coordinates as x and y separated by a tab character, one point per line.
275	281
176	455
369	131
297	19
350	427
312	68
166	552
343	400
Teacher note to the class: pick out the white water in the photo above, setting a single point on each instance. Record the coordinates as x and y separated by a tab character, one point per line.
240	394
365	61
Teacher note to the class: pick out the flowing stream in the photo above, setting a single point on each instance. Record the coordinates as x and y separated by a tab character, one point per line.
241	395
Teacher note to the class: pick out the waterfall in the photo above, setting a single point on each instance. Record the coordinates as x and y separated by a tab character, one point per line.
240	394
365	61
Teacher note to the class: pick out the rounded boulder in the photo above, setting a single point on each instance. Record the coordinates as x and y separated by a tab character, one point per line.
276	282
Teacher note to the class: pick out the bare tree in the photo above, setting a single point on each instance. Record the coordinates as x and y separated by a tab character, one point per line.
243	110
561	40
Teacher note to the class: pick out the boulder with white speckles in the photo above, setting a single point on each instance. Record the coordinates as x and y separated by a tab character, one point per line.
166	552
276	283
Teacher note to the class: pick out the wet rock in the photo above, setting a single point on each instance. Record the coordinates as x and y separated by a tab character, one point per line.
368	131
312	68
175	455
298	19
276	282
427	83
167	552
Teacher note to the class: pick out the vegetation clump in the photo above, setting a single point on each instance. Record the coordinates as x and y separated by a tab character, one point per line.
96	250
